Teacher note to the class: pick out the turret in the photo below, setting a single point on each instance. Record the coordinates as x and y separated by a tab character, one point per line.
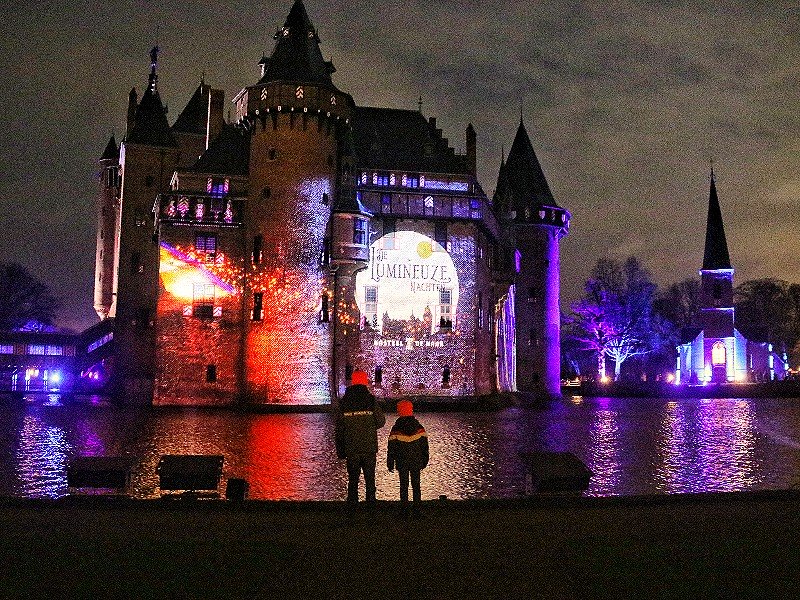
299	122
148	157
533	225
107	219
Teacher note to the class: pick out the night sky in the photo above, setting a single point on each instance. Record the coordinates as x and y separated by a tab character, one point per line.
626	103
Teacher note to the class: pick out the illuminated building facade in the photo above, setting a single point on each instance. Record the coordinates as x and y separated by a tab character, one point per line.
264	260
715	351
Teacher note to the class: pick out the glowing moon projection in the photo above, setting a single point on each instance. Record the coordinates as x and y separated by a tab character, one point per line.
409	276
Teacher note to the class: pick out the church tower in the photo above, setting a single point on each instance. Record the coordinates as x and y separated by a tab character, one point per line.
107	219
532	226
148	157
716	297
299	122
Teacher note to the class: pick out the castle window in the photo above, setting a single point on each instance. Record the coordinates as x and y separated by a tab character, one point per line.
386	203
440	233
258	248
325	259
272	154
136	263
446	377
326	200
532	294
717	291
149	180
266	192
480	311
6	348
258	306
205	244
363	179
381	179
217	187
392	179
360	231
203	301
35	349
51	350
211	374
378	376
324	313
718	354
411	181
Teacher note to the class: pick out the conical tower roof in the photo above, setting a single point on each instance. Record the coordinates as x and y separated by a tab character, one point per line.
150	122
522	177
716	254
112	150
297	56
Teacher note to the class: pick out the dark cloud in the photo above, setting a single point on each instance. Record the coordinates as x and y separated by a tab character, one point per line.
626	102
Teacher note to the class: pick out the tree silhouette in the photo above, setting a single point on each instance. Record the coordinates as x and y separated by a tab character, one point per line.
25	302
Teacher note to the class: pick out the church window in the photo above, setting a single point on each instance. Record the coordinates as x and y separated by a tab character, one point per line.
258	306
359	231
718	354
205	245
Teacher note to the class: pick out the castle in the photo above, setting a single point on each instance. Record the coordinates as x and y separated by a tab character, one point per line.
264	259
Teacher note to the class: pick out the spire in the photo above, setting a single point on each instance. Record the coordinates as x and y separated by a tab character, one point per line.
297	56
522	177
716	253
112	150
150	126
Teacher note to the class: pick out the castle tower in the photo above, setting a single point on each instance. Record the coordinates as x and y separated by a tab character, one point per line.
148	157
107	219
299	121
532	226
716	297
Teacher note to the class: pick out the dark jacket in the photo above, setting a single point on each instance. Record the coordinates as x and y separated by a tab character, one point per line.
358	421
408	445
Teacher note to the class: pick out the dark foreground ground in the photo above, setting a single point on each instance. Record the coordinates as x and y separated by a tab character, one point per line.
706	546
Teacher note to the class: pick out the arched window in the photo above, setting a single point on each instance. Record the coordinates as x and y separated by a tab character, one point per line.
718	354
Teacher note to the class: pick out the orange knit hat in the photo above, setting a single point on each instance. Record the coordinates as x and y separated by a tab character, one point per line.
405	408
359	378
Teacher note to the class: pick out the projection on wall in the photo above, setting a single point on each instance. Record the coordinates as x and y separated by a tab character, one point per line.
409	289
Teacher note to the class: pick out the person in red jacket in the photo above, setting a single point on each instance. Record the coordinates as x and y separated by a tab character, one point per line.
408	451
359	418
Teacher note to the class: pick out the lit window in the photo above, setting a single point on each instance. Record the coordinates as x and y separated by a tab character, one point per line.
217	187
386	203
392	179
371	303
389	228
203	301
718	354
206	246
54	350
380	179
6	348
360	231
36	349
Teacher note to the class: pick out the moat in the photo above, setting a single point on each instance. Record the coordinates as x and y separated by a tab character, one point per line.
633	445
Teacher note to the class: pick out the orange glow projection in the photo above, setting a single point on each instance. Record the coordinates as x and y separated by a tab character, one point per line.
183	273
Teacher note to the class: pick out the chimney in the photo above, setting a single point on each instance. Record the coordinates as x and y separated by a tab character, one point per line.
215	120
472	151
132	104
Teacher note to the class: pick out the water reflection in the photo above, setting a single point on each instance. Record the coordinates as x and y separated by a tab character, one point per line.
632	446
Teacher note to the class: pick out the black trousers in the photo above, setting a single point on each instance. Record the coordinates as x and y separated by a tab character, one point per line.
413	475
355	464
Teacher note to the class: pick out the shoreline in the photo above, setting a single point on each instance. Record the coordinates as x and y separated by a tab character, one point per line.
739	544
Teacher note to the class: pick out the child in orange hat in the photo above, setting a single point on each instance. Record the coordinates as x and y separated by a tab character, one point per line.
408	451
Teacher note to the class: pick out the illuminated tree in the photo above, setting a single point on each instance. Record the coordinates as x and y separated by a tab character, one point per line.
25	302
616	317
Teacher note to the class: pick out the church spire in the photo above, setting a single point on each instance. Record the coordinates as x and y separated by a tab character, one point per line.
153	79
297	56
716	255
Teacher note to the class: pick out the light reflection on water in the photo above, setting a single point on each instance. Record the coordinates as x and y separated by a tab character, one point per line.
633	446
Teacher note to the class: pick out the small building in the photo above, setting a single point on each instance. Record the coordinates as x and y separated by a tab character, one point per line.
715	351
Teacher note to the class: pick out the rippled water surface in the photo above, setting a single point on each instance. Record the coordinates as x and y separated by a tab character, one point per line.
634	446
